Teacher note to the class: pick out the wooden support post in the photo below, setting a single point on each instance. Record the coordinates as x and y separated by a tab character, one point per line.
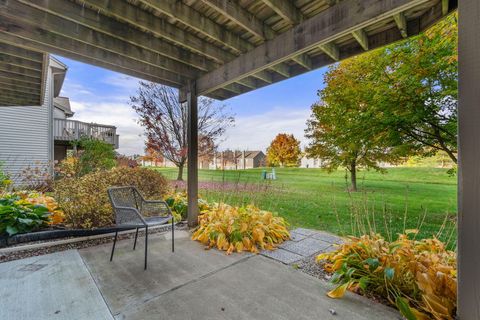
469	159
192	138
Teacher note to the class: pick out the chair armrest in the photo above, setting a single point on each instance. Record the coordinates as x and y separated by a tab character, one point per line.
128	215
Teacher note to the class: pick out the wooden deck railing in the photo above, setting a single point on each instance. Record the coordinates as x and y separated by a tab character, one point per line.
71	130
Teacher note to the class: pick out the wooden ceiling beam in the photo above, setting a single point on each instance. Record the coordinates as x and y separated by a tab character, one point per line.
21	53
179	11
263	75
21	13
135	16
285	9
34	38
401	22
29	87
233	11
332	50
13	92
34	74
20	62
8	95
193	19
5	102
304	61
18	77
18	103
334	22
7	85
445	7
282	69
249	22
249	82
361	36
109	26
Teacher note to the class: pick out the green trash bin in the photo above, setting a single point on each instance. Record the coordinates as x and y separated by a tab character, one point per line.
264	174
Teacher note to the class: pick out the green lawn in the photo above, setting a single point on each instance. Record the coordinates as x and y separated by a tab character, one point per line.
314	198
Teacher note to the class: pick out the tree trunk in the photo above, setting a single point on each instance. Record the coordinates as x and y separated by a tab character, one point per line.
444	147
353	176
180	173
451	155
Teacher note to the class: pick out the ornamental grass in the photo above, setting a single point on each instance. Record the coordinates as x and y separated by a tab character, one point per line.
237	229
418	277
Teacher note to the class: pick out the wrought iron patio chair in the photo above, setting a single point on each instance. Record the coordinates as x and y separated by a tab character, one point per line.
132	211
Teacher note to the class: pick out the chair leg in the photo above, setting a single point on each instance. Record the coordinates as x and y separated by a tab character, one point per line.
113	247
135	243
173	235
146	246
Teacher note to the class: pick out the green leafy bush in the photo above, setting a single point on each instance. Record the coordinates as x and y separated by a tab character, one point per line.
18	215
94	155
85	202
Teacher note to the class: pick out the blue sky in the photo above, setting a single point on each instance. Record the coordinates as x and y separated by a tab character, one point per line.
99	95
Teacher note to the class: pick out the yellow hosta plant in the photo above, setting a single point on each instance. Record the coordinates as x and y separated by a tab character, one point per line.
178	203
240	229
419	277
57	216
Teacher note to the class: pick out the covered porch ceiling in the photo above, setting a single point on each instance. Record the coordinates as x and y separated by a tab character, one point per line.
21	74
227	47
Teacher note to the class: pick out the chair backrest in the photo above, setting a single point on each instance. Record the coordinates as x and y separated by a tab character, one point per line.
125	197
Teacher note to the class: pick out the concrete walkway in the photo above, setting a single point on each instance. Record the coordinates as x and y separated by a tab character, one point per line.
53	286
191	283
304	243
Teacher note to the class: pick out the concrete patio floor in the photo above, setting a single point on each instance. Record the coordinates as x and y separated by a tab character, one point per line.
191	283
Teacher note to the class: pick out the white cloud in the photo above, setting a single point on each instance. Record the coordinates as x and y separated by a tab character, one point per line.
109	108
258	130
116	114
254	131
123	82
73	89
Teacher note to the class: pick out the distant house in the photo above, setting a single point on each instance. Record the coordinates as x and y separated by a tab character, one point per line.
226	160
307	162
236	160
33	136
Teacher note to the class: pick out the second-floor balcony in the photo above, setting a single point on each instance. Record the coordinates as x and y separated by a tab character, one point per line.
72	130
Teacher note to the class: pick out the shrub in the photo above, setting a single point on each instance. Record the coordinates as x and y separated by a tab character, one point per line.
68	167
85	201
240	228
96	155
18	215
418	277
36	177
5	181
178	203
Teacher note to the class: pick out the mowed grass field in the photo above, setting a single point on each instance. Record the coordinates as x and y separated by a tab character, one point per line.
402	198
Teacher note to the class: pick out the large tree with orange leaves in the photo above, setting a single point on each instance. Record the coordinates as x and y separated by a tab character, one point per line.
284	151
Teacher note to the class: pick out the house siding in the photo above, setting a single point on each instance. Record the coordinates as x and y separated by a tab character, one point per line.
25	136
